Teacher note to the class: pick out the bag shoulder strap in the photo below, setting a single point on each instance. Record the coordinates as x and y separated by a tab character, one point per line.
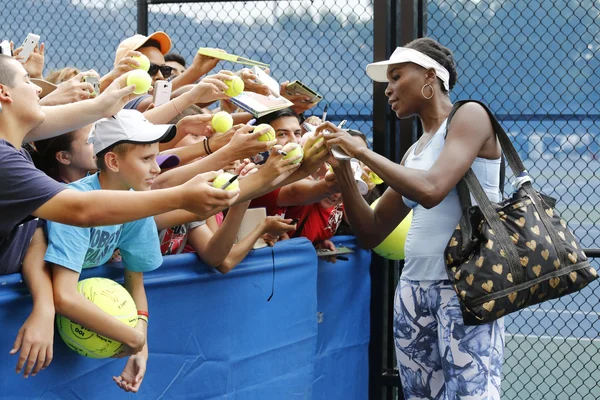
512	157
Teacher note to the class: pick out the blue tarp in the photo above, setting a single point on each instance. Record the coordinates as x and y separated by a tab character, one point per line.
214	336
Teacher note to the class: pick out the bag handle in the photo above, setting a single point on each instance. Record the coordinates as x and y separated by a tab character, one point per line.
470	184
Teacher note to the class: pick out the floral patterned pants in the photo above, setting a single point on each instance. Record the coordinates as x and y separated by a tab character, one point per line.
438	356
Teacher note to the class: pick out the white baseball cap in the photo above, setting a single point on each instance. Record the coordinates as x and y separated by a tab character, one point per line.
128	126
378	70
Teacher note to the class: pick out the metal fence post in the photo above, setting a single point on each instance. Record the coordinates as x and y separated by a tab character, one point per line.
142	17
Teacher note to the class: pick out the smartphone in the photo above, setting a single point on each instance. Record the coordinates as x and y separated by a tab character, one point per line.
162	92
29	44
5	48
94	81
298	88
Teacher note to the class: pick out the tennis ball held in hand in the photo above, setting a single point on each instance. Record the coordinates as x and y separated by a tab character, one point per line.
223	179
268	135
144	62
222	122
293	150
140	79
235	86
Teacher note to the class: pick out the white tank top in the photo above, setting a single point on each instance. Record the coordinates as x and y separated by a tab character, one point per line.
431	229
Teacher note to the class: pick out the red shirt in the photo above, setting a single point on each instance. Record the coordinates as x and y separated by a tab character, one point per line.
316	223
269	201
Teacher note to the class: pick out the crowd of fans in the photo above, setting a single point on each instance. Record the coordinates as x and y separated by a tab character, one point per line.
89	178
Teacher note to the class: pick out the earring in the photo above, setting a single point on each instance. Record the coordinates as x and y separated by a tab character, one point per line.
423	91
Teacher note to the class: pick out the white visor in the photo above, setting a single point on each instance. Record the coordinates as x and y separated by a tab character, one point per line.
378	71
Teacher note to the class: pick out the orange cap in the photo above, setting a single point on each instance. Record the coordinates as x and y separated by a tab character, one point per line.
136	41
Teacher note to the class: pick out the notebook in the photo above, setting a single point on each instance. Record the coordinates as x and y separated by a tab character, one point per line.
230	57
259	105
252	218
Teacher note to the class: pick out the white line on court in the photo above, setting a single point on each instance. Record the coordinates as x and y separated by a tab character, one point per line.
545	337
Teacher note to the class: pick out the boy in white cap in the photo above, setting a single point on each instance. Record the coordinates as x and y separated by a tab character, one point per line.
126	147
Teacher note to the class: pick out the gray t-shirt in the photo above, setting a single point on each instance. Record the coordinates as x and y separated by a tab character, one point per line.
23	189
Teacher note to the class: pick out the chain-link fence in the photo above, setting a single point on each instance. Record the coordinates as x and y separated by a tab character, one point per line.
77	33
535	63
323	44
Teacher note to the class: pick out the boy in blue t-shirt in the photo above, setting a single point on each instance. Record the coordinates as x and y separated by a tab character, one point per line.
126	147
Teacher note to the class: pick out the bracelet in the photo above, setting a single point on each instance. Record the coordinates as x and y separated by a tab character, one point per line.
144	313
208	145
143	318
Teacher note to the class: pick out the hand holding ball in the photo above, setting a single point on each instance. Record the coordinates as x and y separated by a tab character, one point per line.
223	179
222	122
293	150
140	79
268	135
235	86
143	61
113	299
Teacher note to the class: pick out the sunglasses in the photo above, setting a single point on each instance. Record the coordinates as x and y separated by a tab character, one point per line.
165	70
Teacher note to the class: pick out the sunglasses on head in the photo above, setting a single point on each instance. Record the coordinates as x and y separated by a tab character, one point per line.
165	70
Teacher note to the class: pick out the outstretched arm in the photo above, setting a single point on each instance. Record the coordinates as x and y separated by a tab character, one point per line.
36	336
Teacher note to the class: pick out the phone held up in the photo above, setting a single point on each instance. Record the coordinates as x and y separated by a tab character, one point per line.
31	41
162	92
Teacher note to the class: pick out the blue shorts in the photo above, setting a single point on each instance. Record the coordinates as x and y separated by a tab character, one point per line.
438	356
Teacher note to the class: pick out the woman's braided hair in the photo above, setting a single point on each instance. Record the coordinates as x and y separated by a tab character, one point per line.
439	53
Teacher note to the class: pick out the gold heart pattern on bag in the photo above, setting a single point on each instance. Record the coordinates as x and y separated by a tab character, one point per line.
489	273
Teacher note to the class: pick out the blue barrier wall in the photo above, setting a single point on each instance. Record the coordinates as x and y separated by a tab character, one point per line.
214	336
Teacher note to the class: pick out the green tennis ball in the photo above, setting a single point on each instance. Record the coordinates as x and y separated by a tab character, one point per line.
222	121
292	150
235	86
113	299
268	135
392	246
223	179
140	79
144	62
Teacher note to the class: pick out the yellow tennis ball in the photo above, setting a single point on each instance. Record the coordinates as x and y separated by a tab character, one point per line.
235	86
223	179
392	246
375	178
319	140
140	79
268	135
222	121
144	62
292	150
111	297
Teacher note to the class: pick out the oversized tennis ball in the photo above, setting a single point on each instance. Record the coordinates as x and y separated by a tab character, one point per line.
144	62
222	121
223	179
111	297
392	246
268	135
235	86
292	150
140	79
